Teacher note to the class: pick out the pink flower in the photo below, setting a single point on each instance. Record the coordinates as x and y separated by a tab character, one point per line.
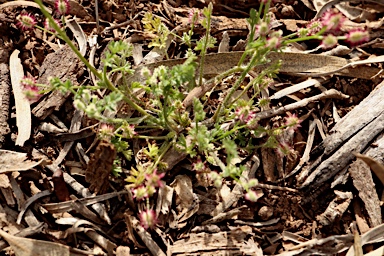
62	6
148	219
129	130
244	114
356	37
292	121
275	40
48	27
106	131
333	21
31	91
284	149
26	21
154	179
273	43
199	166
194	16
263	29
312	28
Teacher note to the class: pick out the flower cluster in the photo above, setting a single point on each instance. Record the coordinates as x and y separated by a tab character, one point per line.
145	187
246	116
30	89
27	21
148	218
329	27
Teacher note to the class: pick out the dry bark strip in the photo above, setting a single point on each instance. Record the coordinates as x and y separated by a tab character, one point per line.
5	85
353	133
363	182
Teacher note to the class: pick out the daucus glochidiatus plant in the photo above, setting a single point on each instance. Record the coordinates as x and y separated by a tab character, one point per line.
213	140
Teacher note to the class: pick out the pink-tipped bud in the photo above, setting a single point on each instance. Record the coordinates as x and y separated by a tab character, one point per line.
357	37
284	149
292	121
329	41
31	91
26	21
154	179
274	42
333	21
48	26
62	6
312	28
106	132
140	193
148	219
263	29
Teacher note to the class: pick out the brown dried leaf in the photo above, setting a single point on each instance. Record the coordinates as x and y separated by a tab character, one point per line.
32	247
100	166
11	161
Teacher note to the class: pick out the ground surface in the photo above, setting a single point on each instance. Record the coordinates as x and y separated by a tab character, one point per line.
199	219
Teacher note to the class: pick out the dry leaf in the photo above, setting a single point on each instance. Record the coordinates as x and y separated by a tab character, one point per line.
11	161
23	109
31	247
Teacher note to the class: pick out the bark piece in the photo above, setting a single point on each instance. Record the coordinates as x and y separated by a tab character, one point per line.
336	208
100	166
363	182
65	65
5	92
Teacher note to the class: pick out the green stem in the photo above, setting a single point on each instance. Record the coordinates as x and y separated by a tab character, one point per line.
204	50
251	64
85	61
165	150
227	133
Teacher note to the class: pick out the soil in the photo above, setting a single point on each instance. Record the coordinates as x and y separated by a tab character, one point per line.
53	179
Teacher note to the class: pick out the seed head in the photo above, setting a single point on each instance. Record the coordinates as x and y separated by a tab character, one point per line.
31	91
26	21
148	219
140	193
329	41
284	149
263	29
48	26
154	179
357	37
312	28
292	121
62	6
333	21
